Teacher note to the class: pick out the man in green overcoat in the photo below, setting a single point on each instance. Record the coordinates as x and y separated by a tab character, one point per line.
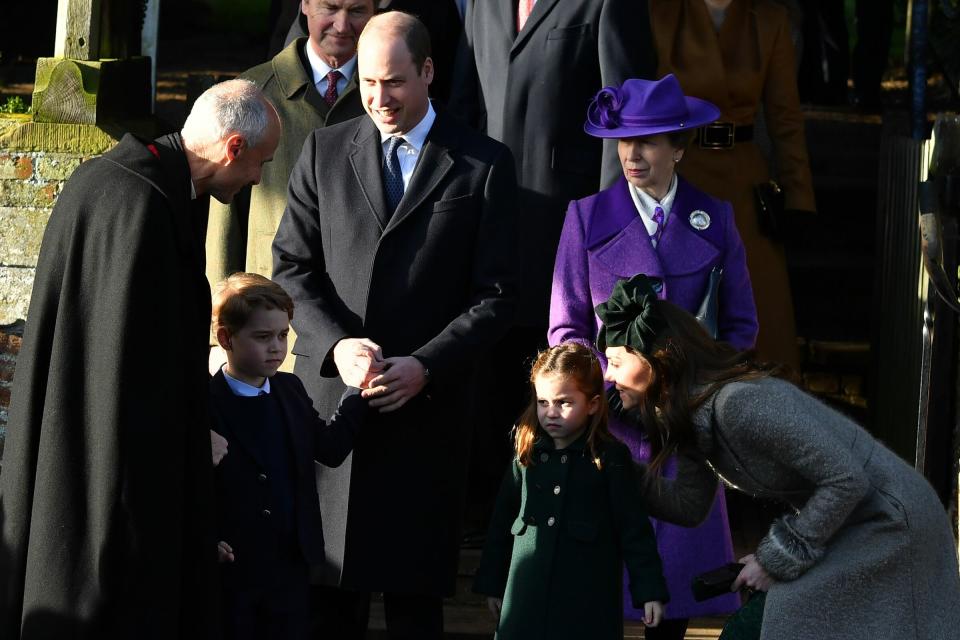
298	81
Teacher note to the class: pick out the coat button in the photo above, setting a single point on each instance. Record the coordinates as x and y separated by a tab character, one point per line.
544	457
551	521
563	459
265	513
556	490
262	477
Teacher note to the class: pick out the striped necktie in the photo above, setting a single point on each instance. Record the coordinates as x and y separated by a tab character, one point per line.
658	218
524	7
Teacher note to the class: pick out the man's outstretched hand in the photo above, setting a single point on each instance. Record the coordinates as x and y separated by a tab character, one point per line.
358	360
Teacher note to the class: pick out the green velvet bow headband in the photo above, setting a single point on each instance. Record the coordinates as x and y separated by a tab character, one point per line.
630	319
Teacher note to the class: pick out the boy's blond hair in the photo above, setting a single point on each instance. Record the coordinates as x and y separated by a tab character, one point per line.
235	299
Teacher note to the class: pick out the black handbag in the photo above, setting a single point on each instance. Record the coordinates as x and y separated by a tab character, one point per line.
709	311
770	205
716	582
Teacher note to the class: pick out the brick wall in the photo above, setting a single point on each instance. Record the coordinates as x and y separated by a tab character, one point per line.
9	348
29	185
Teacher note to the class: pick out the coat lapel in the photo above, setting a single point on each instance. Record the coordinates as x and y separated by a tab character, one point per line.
292	71
740	21
433	165
299	437
540	11
233	419
365	160
618	238
352	85
691	43
682	249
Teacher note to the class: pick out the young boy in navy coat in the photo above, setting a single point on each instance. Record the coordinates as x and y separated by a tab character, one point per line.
267	508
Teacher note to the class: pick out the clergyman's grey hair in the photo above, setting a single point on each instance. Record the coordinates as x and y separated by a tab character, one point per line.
234	106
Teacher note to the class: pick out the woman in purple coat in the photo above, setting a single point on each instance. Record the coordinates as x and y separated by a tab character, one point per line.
653	221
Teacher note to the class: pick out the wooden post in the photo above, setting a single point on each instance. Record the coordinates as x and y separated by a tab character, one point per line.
78	29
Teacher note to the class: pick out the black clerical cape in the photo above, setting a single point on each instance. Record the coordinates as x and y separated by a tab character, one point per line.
106	484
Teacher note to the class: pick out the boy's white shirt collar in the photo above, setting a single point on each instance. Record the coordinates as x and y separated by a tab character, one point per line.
243	389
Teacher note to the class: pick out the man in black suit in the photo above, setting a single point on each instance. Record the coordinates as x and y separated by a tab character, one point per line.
524	76
399	252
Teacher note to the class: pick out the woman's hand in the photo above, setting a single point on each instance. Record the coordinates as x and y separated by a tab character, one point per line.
752	575
495	605
652	613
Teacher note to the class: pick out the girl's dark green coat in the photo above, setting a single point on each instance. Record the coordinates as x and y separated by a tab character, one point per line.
561	533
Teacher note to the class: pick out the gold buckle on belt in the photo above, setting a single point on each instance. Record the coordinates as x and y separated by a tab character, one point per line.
717	135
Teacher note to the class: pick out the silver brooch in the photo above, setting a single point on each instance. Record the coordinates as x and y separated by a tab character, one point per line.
699	220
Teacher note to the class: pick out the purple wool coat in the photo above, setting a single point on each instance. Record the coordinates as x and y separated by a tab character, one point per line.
604	239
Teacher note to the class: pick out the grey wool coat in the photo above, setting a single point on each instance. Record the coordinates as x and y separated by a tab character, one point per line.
560	535
865	550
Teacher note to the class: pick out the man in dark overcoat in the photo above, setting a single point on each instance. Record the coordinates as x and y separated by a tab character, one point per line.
525	75
399	253
106	493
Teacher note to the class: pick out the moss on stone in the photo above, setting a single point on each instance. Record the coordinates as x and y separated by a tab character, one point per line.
82	139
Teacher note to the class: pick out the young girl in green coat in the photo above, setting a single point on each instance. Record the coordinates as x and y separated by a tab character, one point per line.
568	516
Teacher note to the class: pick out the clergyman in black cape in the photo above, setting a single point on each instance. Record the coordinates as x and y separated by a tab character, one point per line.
106	487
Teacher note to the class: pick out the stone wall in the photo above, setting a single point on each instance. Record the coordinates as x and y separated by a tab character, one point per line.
9	348
30	182
29	185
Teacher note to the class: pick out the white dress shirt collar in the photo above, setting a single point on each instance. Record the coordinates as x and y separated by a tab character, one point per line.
646	204
409	151
243	389
417	136
321	69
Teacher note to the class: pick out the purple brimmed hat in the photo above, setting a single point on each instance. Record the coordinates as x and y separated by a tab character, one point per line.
646	108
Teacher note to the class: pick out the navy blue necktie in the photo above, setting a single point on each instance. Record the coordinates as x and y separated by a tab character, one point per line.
392	176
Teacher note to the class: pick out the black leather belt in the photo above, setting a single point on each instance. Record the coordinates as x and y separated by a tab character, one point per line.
723	135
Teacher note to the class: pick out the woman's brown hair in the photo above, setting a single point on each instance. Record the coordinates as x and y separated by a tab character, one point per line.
688	367
581	364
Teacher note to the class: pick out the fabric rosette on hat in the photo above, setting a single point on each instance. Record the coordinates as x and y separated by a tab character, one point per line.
630	315
646	108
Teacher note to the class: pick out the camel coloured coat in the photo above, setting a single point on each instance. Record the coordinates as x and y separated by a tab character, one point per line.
749	64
